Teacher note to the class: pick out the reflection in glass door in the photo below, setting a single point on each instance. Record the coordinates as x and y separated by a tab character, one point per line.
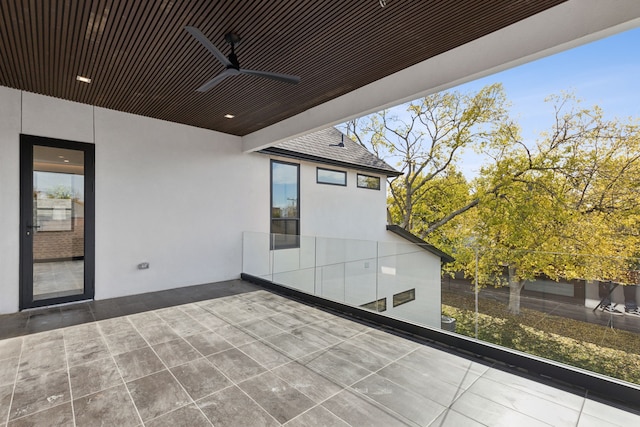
57	207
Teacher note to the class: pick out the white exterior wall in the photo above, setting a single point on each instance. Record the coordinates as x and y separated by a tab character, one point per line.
346	212
175	196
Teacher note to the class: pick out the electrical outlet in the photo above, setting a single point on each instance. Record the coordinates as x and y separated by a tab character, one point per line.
143	266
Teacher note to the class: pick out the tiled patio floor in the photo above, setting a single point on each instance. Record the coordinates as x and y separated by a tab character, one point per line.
259	359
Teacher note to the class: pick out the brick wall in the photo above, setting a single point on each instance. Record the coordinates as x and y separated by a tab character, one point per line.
59	244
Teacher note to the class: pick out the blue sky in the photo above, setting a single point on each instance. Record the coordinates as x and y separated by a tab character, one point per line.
604	73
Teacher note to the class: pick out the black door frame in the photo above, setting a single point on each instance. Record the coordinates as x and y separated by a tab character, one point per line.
27	142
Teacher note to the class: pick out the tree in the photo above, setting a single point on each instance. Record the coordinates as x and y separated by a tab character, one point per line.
425	142
571	208
536	209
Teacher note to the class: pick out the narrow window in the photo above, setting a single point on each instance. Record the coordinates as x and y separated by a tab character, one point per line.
404	297
367	181
378	305
332	177
285	205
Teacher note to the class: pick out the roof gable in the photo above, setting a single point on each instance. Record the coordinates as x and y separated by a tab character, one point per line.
330	146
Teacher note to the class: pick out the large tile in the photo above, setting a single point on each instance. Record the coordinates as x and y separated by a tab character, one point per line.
176	352
6	391
313	385
338	370
208	343
59	416
314	336
146	319
10	348
80	333
358	355
86	351
293	346
524	402
200	378
187	416
93	376
490	413
445	367
8	370
317	417
276	396
610	413
157	394
358	412
34	363
451	418
340	329
291	320
430	387
231	408
536	388
127	340
236	365
116	325
188	326
384	343
414	407
39	393
110	407
43	341
260	328
264	354
138	363
158	333
234	335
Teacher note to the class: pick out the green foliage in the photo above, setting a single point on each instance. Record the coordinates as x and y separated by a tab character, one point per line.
589	346
564	206
60	192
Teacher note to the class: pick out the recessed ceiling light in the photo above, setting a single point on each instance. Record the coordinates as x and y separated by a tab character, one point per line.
66	161
83	79
229	116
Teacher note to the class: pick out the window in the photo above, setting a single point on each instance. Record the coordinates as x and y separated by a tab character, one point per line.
404	297
379	305
332	177
285	205
366	181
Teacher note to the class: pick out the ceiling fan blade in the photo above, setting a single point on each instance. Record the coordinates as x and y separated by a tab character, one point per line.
286	78
217	79
197	34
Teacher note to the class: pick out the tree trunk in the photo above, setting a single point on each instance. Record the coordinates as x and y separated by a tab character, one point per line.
515	286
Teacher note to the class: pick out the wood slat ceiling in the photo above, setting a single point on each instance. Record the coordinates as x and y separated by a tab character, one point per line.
142	61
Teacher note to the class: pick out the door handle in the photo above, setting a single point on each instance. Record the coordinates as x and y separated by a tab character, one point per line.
31	227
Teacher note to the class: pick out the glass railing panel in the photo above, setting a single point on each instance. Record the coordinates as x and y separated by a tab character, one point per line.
584	320
256	254
295	267
409	279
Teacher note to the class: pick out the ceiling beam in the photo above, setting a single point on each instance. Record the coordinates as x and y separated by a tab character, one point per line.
560	28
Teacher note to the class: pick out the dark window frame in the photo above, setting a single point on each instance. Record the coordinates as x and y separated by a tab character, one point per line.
378	305
273	243
318	169
367	186
399	298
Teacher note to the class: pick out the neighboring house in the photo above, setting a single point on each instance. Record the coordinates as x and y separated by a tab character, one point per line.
346	251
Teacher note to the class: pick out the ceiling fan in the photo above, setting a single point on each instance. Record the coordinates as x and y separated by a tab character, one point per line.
231	63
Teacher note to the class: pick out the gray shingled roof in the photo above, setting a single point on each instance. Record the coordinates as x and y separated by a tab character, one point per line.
330	146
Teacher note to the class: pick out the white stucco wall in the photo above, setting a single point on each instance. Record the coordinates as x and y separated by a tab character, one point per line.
175	196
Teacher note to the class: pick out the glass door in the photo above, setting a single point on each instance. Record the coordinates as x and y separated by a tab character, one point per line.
56	221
